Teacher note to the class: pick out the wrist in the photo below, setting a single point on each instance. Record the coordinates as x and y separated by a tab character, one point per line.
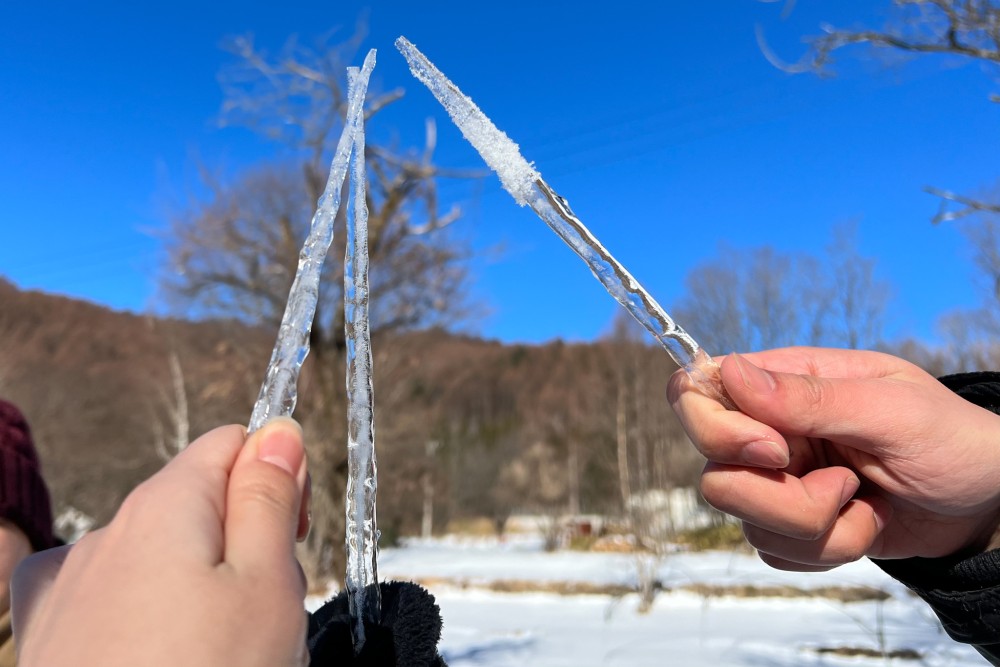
994	541
982	540
983	390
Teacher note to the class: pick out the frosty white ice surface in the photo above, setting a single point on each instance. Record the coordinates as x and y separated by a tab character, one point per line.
278	393
362	535
500	153
525	184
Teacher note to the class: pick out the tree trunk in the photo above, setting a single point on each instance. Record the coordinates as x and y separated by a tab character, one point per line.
621	432
573	472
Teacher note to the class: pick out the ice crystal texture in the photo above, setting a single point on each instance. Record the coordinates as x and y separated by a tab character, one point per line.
279	392
526	185
500	153
362	532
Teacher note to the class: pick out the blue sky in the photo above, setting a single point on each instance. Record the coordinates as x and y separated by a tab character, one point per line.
661	122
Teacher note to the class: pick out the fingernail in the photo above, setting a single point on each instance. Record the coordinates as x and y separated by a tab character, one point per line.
756	379
765	454
851	486
282	446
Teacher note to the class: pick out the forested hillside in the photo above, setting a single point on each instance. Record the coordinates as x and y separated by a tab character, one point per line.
483	428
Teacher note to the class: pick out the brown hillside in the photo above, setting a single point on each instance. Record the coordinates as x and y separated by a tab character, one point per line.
91	382
516	427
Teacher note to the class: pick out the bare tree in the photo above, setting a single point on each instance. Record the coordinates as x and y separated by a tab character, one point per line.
747	300
655	460
857	297
960	31
954	206
762	298
172	437
233	252
963	30
625	348
972	333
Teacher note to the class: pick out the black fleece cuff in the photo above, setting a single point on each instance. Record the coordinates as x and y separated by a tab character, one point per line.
405	635
963	591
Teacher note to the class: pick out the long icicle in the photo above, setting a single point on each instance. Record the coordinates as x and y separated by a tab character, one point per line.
526	186
279	392
364	596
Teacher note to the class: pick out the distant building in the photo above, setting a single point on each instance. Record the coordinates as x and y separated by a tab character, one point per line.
670	511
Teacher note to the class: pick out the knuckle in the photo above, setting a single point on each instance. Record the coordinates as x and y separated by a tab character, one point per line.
810	527
814	393
271	494
717	490
137	502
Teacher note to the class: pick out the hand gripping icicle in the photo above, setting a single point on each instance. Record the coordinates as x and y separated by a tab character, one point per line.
353	628
278	394
526	186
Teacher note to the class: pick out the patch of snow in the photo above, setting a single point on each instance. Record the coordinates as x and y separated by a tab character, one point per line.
488	629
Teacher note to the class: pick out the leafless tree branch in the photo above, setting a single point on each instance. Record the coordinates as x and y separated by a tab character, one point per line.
966	205
964	28
968	29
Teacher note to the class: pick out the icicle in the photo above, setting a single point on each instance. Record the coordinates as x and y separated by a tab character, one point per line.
278	393
526	186
362	533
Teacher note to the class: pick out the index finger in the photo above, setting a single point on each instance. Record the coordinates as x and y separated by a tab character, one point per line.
187	498
722	435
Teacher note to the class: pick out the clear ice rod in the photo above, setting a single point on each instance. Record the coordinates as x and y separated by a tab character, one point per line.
279	392
526	185
364	595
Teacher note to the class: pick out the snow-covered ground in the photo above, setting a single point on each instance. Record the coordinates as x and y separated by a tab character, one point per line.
684	627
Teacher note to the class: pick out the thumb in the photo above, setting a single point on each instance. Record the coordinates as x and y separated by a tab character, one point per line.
853	410
264	497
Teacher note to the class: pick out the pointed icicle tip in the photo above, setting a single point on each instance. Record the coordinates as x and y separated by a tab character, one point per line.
503	156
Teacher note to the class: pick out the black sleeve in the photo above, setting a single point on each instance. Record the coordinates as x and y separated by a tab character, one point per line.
964	591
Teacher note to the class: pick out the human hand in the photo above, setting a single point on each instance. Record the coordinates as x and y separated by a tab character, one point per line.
197	567
838	454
